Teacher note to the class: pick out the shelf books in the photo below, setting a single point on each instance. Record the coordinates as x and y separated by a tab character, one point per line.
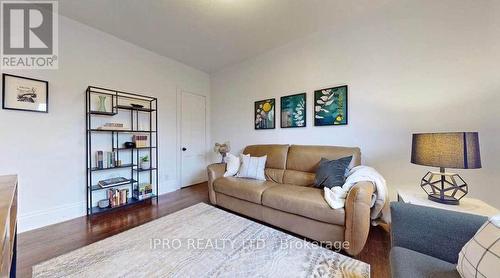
113	182
117	197
99	160
109	162
141	141
113	126
111	159
142	191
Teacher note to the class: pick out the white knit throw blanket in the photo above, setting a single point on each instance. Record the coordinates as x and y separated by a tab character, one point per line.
336	196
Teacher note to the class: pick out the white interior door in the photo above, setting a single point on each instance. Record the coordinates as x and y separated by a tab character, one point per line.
193	139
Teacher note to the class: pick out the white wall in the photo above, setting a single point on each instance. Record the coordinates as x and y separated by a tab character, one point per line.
423	66
47	151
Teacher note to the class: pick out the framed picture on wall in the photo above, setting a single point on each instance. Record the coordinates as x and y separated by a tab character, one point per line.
265	114
26	94
330	106
293	111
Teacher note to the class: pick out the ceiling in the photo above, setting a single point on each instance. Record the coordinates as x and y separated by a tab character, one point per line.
212	34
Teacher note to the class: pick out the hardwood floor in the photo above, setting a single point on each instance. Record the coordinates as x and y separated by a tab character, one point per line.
42	244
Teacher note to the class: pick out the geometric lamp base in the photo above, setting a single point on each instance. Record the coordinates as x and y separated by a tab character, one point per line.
445	200
444	188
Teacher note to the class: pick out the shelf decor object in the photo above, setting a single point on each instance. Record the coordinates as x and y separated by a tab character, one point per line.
459	150
136	105
25	94
102	104
129	145
122	155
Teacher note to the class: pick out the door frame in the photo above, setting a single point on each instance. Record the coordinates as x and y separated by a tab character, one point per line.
180	92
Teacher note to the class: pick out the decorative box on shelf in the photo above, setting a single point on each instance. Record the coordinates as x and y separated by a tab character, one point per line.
142	191
141	141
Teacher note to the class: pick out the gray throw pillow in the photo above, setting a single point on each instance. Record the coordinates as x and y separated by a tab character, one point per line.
331	173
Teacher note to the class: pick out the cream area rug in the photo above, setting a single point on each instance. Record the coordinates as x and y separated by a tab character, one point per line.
202	241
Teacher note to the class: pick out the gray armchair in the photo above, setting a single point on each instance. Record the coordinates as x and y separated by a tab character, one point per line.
426	241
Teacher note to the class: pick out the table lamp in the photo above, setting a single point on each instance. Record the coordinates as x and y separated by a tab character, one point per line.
459	150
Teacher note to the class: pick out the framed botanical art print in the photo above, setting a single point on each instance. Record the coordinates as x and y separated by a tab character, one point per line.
293	111
26	94
265	114
330	106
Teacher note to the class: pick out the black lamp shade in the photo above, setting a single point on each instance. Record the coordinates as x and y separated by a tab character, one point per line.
447	150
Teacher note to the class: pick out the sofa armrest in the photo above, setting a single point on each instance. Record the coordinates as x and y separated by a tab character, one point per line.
357	216
215	171
435	232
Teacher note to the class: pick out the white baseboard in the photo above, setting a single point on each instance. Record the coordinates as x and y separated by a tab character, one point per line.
169	186
41	218
53	215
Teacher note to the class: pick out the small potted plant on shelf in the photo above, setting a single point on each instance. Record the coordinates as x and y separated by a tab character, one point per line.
144	163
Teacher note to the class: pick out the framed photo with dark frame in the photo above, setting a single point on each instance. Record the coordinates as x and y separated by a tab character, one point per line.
293	111
265	114
25	94
330	106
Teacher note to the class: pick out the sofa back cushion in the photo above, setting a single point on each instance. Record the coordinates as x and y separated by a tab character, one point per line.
297	164
302	161
276	159
276	154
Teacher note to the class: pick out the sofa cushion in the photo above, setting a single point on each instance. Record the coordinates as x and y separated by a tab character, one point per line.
276	154
275	175
298	178
303	201
306	158
244	189
252	167
406	263
331	173
480	257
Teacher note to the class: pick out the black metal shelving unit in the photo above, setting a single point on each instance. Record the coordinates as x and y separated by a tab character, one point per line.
120	104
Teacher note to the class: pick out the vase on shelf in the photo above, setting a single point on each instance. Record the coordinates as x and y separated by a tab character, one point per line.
102	104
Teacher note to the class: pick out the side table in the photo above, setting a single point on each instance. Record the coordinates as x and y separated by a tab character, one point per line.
467	205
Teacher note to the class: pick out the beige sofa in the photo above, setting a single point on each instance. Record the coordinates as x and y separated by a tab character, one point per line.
287	198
